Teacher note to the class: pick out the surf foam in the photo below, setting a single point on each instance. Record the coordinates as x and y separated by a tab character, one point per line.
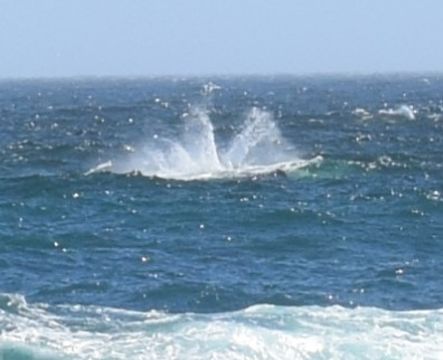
257	332
258	148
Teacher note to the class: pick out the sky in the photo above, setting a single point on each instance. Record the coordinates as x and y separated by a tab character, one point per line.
55	38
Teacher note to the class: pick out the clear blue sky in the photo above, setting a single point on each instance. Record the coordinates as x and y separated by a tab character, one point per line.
167	37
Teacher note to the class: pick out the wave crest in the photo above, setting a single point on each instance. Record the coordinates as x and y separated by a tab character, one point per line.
257	332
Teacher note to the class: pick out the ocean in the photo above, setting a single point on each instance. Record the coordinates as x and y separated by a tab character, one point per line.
282	217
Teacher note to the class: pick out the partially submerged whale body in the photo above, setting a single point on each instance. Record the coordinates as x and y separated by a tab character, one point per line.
258	148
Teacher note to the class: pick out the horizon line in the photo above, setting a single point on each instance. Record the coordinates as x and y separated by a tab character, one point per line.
177	76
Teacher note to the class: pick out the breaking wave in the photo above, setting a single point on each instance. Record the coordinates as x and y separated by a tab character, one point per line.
259	148
42	331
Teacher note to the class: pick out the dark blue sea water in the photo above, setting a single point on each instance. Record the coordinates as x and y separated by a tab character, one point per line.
223	218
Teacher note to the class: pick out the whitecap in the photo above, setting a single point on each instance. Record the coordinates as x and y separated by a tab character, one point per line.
362	113
257	332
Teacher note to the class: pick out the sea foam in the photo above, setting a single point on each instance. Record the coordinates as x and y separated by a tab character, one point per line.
258	148
42	331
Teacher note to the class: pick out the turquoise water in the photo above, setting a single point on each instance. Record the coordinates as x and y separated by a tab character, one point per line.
221	218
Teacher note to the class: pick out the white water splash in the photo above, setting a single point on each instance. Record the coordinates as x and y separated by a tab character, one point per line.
404	111
42	331
259	148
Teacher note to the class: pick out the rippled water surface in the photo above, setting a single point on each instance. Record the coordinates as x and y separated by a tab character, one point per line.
224	217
